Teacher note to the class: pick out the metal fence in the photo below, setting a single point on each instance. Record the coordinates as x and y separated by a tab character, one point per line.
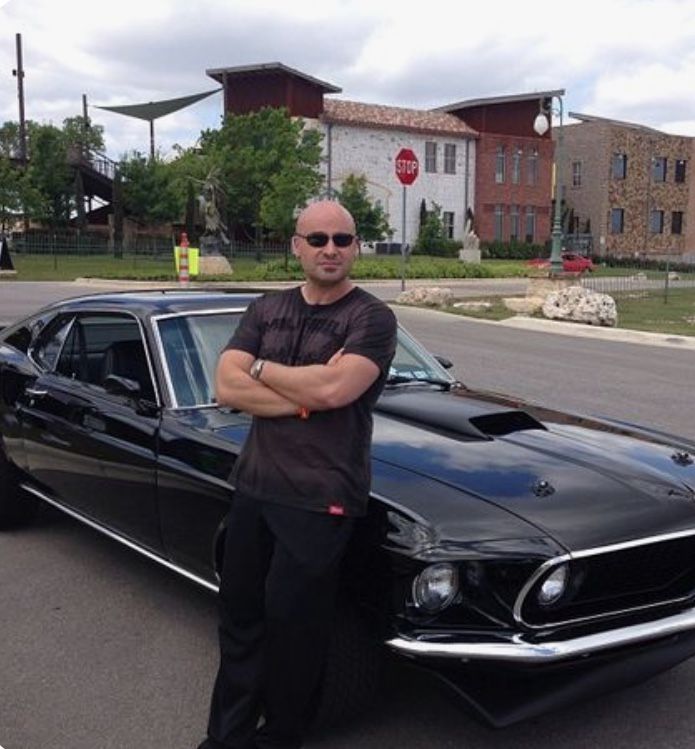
635	277
64	243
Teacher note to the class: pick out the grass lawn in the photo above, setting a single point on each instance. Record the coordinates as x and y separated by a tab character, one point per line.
646	310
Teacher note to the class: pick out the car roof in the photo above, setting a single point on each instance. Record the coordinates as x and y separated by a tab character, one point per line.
154	302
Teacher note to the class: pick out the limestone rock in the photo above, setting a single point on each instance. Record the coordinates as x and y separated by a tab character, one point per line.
214	265
578	304
523	305
430	296
473	305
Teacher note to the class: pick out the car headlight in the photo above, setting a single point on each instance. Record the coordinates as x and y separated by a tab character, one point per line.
554	586
436	587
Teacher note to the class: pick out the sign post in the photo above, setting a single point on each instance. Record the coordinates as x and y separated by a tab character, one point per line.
407	170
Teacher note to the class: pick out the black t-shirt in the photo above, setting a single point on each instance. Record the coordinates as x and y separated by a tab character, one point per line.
321	463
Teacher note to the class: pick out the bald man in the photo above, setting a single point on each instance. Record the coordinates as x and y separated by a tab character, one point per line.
308	364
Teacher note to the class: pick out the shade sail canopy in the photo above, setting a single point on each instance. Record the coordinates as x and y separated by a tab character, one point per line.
153	110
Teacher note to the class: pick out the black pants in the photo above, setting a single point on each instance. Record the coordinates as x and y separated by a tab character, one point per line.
277	596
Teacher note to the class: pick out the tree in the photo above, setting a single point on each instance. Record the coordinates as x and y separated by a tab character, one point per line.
268	165
148	190
431	239
370	219
49	181
11	183
80	133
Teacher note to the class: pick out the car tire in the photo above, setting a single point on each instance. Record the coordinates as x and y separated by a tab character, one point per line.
352	671
16	506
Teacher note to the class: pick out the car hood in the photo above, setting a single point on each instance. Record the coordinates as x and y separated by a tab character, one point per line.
585	484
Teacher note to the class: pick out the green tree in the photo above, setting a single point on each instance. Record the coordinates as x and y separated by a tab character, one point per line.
49	181
431	238
11	183
370	219
81	133
149	194
268	165
9	139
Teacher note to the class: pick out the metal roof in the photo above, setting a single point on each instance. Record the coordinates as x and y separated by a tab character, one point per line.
468	103
218	74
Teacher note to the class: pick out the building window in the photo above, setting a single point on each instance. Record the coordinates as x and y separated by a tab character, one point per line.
532	171
450	158
617	220
619	166
430	156
576	174
448	224
499	223
677	222
516	165
680	170
656	222
514	223
500	165
659	169
530	223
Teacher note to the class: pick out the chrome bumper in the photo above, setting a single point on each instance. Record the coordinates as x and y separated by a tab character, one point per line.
519	650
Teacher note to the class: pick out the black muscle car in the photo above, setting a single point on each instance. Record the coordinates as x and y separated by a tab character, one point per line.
525	556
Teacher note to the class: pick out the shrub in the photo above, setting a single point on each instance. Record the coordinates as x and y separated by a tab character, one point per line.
513	250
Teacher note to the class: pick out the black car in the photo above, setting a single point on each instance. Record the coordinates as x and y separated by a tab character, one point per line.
525	556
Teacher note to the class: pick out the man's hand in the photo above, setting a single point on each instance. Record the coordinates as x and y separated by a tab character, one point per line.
321	387
235	387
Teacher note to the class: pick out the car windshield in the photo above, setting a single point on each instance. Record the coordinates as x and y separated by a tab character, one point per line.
192	344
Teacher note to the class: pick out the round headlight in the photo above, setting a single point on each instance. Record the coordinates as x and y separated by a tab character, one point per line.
554	586
436	587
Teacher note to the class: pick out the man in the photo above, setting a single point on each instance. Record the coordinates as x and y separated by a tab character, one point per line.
308	363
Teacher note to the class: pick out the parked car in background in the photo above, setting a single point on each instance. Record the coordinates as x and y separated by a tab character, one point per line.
572	262
527	557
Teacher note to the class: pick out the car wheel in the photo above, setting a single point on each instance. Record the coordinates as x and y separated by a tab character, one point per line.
16	506
352	671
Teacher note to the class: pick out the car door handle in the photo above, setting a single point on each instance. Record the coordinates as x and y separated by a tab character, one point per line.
35	392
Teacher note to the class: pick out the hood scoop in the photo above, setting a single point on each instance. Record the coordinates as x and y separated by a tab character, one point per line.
456	417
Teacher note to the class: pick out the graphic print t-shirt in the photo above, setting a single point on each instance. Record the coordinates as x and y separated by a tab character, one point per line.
321	463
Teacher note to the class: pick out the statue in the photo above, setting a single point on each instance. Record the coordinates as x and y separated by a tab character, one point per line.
215	235
214	242
470	253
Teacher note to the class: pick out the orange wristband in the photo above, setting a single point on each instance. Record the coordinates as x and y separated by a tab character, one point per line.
303	412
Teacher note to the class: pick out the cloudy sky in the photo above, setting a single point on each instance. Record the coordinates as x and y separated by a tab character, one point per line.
627	59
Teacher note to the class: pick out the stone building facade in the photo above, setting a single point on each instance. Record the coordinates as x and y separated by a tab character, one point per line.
458	147
633	184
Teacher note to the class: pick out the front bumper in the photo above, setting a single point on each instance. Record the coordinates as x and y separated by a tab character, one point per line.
520	649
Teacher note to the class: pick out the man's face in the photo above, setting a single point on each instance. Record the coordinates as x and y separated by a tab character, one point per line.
329	263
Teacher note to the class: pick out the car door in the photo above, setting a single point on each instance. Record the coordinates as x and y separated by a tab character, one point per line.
91	447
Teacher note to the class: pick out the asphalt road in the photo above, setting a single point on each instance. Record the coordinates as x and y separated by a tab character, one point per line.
101	649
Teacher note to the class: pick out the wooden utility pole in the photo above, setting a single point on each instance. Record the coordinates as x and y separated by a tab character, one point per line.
19	73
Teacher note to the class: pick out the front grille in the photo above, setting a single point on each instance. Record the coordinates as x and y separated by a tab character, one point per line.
620	580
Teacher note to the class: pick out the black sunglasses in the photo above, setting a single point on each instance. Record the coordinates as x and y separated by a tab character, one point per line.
321	239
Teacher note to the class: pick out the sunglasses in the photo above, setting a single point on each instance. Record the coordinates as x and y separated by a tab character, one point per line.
321	239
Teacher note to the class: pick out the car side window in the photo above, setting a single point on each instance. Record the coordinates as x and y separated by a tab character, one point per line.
101	345
50	341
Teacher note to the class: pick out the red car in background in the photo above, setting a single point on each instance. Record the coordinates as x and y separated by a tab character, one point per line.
572	262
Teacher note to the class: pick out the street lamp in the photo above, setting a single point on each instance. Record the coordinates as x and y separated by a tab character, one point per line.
541	125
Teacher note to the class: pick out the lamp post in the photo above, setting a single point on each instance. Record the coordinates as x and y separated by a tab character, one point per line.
541	125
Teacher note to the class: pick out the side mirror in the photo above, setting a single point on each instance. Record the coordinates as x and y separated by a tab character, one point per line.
446	363
116	385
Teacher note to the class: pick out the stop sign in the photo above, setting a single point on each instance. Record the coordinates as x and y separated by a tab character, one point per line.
407	166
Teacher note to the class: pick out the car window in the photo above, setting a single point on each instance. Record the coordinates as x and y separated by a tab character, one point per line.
49	342
413	361
101	345
191	347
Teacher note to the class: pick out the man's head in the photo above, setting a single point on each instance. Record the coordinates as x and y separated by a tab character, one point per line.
325	243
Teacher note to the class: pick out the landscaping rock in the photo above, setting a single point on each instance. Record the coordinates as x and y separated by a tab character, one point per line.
430	296
673	276
578	304
473	305
523	305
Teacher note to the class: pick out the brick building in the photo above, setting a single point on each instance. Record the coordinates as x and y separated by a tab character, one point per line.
481	155
632	184
514	166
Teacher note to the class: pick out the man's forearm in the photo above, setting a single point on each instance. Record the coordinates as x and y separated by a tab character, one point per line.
237	389
312	385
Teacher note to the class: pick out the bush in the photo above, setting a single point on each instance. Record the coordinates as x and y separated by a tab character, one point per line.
513	250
